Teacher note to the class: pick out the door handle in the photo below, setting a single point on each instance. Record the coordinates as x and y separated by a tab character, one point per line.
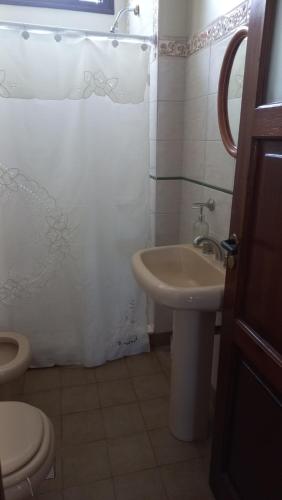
231	246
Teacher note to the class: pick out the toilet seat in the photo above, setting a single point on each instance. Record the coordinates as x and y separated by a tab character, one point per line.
21	433
15	355
26	448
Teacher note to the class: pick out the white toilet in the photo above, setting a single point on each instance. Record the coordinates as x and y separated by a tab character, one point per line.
27	445
15	356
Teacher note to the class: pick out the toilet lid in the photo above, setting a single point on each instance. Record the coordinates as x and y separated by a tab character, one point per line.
21	434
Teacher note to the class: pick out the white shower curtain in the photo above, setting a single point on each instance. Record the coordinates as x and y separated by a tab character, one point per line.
73	195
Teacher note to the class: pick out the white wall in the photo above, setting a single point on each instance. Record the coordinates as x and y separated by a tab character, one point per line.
203	12
173	17
59	17
144	23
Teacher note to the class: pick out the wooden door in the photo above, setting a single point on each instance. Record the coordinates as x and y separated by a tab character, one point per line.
1	487
247	447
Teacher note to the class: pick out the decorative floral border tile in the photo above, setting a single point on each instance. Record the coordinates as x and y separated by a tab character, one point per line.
220	28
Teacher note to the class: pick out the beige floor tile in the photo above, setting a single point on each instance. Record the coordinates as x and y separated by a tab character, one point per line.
169	450
123	420
48	401
143	485
130	454
77	375
186	481
101	490
164	357
85	464
83	427
113	370
56	484
116	392
10	390
143	364
155	412
57	424
151	386
42	379
80	398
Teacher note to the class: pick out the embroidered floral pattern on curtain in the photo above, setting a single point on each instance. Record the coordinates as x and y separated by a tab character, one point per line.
37	66
73	195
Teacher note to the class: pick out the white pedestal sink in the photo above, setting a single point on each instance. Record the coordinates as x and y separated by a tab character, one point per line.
192	284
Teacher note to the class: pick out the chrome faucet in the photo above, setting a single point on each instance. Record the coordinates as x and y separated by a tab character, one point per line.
211	245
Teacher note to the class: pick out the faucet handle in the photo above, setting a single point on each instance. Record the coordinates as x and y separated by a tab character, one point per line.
210	204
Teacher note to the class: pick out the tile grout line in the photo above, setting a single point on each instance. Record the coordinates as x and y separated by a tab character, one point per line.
100	408
157	467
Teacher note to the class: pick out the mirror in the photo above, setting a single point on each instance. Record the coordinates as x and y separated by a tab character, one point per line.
235	90
230	90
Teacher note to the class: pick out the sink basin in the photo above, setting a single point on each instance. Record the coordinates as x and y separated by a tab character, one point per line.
192	284
180	277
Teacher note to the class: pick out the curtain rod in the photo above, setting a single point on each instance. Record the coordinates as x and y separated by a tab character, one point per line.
62	29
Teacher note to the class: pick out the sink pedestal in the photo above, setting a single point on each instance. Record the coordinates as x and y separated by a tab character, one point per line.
192	349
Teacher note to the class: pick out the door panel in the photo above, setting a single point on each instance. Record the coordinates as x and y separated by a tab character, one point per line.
260	290
254	463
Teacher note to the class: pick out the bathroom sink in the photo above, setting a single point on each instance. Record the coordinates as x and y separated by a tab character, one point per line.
180	277
192	284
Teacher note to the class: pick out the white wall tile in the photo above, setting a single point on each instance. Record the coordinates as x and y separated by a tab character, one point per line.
194	160
197	74
154	80
203	12
219	165
169	158
195	119
153	157
153	120
152	235
142	24
173	17
172	78
152	195
167	229
170	120
213	133
168	196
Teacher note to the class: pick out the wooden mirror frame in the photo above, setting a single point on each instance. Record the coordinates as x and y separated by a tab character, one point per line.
223	87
